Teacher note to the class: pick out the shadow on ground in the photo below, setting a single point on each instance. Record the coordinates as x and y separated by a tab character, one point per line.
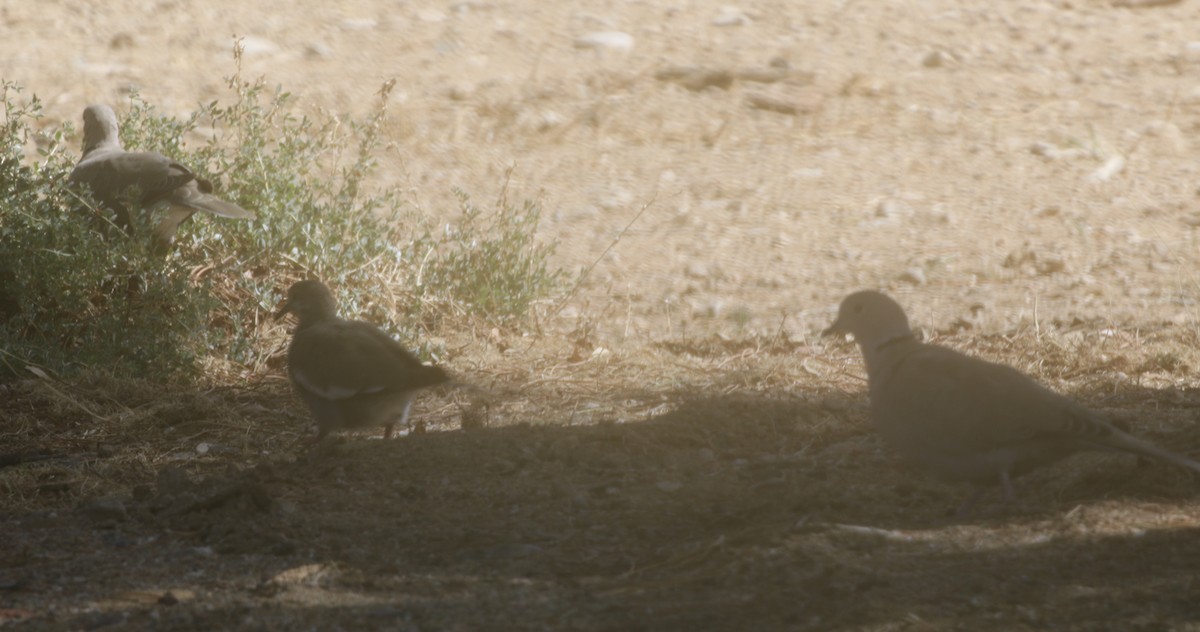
725	512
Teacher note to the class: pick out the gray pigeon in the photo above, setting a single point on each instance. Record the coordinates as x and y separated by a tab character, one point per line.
350	373
117	177
966	419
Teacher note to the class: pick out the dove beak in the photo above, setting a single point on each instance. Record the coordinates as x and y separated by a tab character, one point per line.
284	308
833	330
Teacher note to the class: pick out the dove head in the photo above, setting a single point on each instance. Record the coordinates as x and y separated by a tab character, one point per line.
99	128
872	318
310	301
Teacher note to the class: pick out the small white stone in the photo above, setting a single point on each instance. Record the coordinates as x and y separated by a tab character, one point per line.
606	40
1110	168
731	16
359	24
253	46
431	15
916	276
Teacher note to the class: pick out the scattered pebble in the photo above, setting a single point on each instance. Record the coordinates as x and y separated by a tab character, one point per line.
359	24
731	16
253	46
619	41
915	276
761	102
697	270
460	91
695	78
318	50
936	59
431	15
890	208
1110	168
122	41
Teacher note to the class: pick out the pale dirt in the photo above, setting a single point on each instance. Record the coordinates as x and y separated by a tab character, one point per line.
677	450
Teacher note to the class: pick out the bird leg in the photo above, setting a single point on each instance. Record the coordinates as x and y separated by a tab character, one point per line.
321	432
1007	485
387	430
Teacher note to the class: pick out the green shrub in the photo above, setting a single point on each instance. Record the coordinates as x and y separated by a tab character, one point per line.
78	299
490	262
73	298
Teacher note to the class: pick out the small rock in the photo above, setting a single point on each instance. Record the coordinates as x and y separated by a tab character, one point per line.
460	91
359	24
760	102
539	120
318	50
731	16
695	78
891	208
1050	265
1105	172
122	41
916	276
431	15
606	40
256	46
935	59
1052	210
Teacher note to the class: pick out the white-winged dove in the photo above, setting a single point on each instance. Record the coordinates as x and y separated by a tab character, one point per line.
966	419
351	374
117	177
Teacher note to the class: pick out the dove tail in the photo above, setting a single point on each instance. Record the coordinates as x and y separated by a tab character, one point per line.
217	206
431	376
1121	441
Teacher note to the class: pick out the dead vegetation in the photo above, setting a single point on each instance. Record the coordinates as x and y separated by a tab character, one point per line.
699	483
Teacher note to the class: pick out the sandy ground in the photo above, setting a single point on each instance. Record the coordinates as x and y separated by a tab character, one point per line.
1021	175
